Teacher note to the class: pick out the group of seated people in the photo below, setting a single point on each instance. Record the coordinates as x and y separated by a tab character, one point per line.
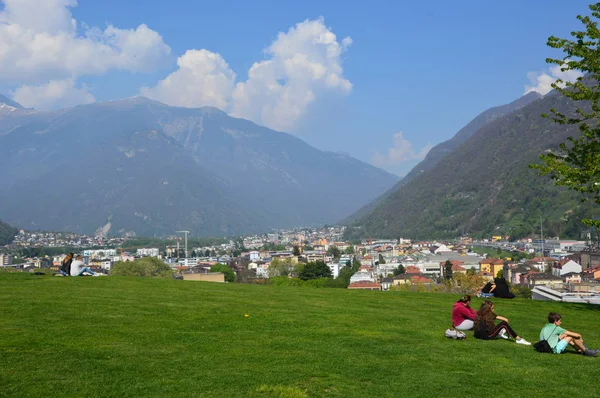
485	328
497	288
73	266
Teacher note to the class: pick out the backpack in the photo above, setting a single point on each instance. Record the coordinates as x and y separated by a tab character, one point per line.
454	334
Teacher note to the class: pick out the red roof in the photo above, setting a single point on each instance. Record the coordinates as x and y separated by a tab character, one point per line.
411	269
492	261
420	279
364	285
454	262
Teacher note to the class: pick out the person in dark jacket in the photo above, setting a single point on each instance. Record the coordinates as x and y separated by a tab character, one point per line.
502	290
65	268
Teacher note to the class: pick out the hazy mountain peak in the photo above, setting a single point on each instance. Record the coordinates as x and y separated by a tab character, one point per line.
8	102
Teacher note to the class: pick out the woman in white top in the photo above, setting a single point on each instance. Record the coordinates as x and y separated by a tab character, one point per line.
78	267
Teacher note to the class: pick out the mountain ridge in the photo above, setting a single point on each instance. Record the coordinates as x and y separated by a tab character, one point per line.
485	185
439	151
263	178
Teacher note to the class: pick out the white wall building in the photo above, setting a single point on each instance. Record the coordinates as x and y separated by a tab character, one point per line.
362	276
5	259
148	252
335	268
100	253
254	255
570	266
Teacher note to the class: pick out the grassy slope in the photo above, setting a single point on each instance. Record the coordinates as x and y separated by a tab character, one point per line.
141	337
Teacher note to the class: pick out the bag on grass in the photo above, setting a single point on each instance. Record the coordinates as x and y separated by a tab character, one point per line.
542	346
454	334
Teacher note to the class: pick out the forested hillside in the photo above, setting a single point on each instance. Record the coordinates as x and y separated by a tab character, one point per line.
486	186
7	233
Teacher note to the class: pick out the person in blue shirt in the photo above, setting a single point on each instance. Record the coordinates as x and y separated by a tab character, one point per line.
559	338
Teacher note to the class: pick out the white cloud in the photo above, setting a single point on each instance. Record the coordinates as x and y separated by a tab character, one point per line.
41	42
55	94
542	81
203	78
401	151
301	65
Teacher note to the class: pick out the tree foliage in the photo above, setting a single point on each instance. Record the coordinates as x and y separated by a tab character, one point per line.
314	270
229	274
576	164
149	267
296	251
282	267
466	283
399	270
448	269
334	251
7	233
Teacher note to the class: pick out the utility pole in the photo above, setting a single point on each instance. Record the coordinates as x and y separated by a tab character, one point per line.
542	234
185	237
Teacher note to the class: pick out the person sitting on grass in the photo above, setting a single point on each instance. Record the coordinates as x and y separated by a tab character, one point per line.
559	338
462	314
502	290
65	267
78	268
487	291
486	329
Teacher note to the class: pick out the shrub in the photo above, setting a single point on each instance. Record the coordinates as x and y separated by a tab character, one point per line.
229	274
520	291
149	267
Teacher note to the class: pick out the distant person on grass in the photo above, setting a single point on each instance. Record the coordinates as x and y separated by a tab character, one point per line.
462	314
486	329
78	267
559	338
502	289
65	267
496	288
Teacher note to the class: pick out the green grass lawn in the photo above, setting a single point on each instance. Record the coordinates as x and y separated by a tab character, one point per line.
133	337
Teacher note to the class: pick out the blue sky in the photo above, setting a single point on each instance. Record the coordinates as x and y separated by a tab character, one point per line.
411	76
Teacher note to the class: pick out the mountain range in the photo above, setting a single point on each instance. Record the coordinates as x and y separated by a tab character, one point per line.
139	167
480	182
439	151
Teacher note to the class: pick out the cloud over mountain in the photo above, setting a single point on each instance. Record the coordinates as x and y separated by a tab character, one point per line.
301	64
42	42
541	82
401	151
203	78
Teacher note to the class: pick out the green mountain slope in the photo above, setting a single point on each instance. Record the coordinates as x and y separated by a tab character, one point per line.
7	233
438	152
485	186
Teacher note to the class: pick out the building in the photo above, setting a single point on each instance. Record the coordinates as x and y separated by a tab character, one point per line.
542	264
566	267
335	268
148	252
100	253
365	285
205	277
491	266
361	276
5	259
